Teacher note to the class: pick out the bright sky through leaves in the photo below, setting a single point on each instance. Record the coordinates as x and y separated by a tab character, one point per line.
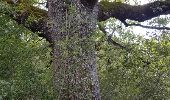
144	31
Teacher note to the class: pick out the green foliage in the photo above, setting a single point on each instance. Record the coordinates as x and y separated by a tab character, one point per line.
140	72
24	63
5	8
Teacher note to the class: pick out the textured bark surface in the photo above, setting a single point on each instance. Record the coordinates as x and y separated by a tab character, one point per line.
75	74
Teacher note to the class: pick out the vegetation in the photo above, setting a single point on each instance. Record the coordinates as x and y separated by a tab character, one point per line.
130	66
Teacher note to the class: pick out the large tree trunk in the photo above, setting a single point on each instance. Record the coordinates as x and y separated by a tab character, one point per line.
71	24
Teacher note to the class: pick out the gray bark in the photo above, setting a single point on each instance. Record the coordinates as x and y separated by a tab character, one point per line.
71	25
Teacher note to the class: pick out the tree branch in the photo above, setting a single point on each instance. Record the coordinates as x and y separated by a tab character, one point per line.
149	27
138	13
39	24
107	10
109	38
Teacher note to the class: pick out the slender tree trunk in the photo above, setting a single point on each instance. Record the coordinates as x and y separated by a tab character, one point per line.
71	25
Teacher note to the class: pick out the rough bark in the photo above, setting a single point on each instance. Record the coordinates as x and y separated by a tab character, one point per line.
71	24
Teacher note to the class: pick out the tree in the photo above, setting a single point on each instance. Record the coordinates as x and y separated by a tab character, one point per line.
140	73
75	74
70	26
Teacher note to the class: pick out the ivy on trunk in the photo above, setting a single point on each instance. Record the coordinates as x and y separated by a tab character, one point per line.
71	24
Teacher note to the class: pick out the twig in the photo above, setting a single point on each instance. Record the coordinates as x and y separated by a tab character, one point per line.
109	39
149	27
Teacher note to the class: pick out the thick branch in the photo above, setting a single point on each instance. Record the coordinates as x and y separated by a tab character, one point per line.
138	13
107	10
150	27
39	24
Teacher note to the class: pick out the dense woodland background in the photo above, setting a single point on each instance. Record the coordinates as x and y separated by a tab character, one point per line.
130	66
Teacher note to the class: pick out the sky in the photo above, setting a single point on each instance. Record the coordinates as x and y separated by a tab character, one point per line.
144	31
139	1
